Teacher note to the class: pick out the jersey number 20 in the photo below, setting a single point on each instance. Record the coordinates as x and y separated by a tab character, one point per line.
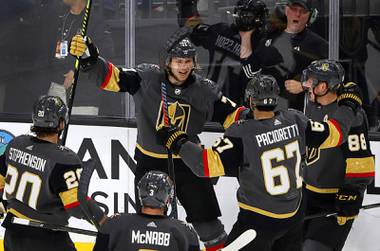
26	178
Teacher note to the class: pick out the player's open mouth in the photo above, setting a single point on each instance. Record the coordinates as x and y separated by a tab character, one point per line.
296	21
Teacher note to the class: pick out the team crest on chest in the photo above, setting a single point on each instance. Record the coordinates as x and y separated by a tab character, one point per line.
312	155
178	115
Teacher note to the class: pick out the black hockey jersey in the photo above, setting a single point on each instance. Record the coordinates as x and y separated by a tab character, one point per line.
40	179
189	105
287	55
136	232
266	155
353	162
223	44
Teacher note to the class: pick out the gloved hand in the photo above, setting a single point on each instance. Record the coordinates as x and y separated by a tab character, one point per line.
82	47
172	138
347	204
350	95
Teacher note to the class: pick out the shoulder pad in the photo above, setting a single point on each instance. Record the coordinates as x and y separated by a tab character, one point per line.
68	156
295	111
207	82
148	67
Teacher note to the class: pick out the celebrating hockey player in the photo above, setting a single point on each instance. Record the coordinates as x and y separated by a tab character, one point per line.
188	101
151	229
41	181
222	41
264	152
337	186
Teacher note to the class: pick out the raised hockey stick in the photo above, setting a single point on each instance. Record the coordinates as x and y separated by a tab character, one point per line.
314	216
241	241
54	227
165	108
84	182
70	100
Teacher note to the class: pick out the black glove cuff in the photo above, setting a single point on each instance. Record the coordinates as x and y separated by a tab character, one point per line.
350	100
176	147
88	62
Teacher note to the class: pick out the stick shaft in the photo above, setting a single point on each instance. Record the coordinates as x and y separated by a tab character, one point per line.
328	214
54	227
241	241
174	212
70	100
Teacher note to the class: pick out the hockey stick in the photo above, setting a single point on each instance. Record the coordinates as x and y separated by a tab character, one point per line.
165	108
318	215
70	100
84	182
241	241
53	227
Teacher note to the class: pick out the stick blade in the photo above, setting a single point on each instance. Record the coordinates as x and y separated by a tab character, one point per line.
241	241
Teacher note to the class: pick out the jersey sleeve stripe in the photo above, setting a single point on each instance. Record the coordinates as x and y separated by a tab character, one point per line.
72	205
111	81
335	136
70	198
360	175
205	163
212	163
233	117
360	165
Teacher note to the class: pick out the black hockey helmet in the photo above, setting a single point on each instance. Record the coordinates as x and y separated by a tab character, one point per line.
249	14
324	70
264	91
48	111
183	49
155	190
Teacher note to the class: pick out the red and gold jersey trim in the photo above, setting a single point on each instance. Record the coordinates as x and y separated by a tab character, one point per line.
212	164
111	81
335	136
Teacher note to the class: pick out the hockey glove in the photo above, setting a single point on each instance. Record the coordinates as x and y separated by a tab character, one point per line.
82	47
350	95
172	138
347	204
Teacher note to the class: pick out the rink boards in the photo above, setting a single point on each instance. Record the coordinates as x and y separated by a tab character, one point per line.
112	182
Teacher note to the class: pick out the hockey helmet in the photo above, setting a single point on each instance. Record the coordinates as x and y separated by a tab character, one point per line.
183	49
264	91
249	14
48	111
324	70
155	190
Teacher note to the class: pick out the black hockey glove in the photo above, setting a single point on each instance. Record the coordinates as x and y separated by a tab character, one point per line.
347	204
83	48
350	95
172	138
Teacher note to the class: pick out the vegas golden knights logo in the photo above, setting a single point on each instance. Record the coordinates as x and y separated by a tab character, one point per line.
312	155
179	115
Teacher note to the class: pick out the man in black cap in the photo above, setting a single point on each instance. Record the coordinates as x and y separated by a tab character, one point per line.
289	51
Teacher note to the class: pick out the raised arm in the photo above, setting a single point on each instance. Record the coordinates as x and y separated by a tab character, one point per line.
106	75
221	159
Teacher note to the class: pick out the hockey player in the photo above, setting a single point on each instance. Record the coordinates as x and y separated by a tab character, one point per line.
222	41
151	229
338	185
41	181
191	101
290	51
264	153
